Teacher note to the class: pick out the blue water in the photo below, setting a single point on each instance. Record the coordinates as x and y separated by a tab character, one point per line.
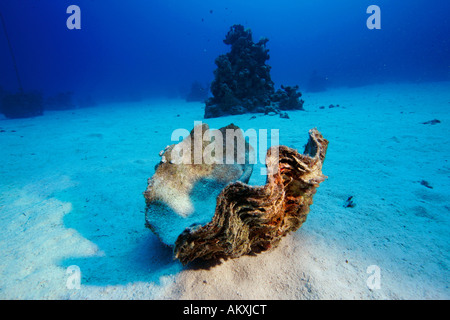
140	49
128	51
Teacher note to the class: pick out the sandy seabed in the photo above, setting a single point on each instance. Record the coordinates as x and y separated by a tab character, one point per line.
71	186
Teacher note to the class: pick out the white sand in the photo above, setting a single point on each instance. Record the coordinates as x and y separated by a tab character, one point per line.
71	186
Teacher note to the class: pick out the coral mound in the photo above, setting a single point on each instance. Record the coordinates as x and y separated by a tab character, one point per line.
242	82
198	92
22	105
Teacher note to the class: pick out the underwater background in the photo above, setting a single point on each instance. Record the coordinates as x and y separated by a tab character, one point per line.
114	91
140	49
